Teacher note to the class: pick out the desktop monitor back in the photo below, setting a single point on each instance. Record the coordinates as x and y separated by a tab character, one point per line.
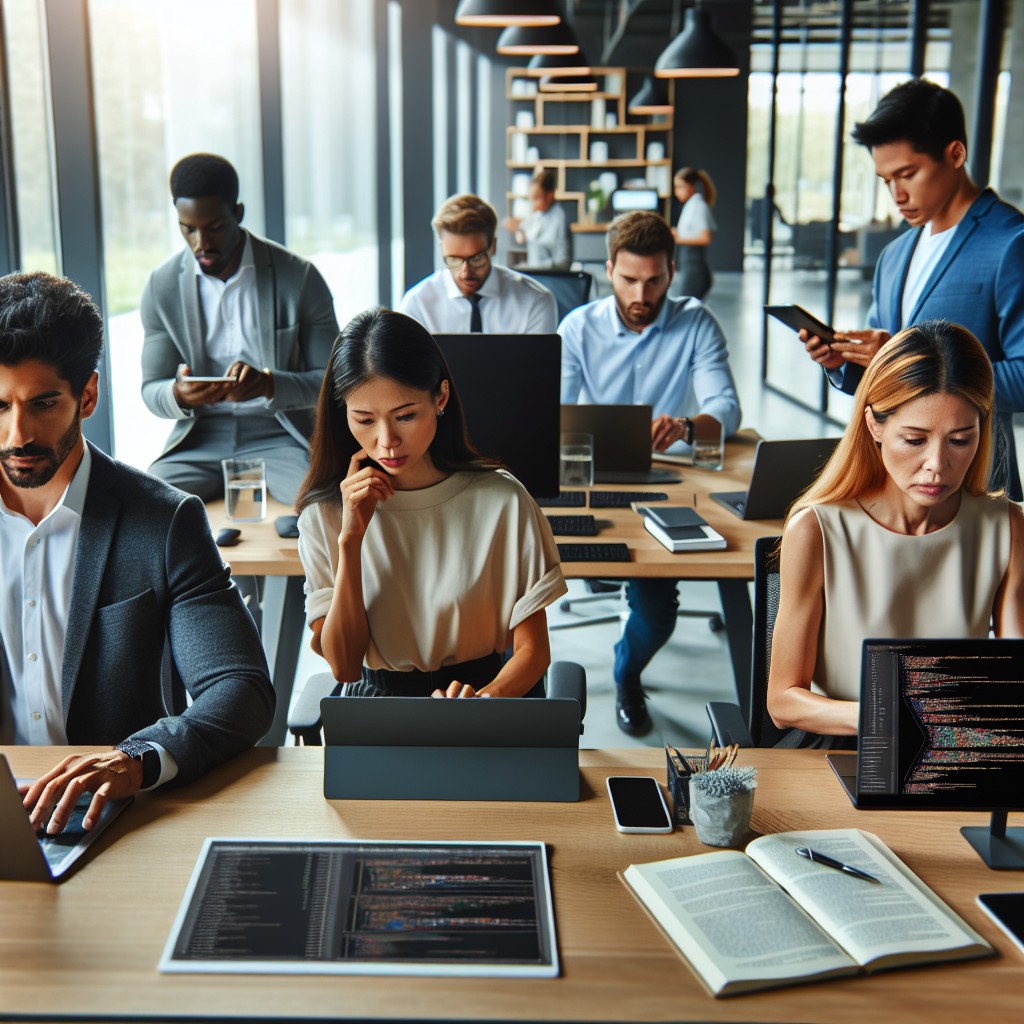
510	390
941	726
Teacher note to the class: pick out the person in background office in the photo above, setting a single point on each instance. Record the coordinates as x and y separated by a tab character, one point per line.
544	230
963	260
101	565
240	306
693	231
472	294
639	347
424	561
898	537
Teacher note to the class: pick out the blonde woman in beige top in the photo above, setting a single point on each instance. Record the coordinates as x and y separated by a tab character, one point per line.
898	537
424	561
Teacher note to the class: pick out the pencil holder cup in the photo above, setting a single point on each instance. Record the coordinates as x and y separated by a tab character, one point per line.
721	802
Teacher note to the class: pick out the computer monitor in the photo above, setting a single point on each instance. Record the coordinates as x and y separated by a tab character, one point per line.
942	728
626	199
510	389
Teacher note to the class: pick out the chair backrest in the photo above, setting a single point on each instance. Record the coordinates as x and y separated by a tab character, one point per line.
571	288
763	731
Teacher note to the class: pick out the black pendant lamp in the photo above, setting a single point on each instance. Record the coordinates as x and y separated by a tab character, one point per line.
698	51
526	41
500	13
568	83
551	64
651	98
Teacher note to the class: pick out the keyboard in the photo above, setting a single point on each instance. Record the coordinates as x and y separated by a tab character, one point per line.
565	499
593	552
573	526
623	499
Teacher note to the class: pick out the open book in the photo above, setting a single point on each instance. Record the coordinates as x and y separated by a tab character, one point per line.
767	917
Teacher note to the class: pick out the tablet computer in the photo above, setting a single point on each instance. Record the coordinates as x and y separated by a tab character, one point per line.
797	318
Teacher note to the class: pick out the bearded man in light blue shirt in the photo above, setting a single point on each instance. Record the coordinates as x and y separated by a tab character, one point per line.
639	347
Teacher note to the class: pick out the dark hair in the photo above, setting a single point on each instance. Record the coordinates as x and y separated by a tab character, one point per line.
204	174
382	343
545	178
642	233
52	320
919	112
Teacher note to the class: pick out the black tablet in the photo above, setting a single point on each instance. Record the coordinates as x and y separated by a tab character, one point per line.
797	318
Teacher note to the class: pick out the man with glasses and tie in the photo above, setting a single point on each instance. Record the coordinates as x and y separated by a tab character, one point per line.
474	295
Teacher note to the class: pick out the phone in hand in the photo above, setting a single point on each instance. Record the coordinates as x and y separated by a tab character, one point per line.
190	379
638	804
797	318
1007	910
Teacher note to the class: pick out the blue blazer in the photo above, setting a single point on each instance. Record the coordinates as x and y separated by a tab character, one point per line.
978	283
147	577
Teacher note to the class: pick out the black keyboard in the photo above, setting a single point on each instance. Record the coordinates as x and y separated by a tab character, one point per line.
573	526
565	499
623	499
593	552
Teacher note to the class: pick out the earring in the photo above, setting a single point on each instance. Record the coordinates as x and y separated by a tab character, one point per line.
440	413
878	445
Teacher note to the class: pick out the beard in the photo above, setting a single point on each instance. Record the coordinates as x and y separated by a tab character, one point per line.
637	316
45	472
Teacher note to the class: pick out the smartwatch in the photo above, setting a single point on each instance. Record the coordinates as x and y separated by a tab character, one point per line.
139	750
688	430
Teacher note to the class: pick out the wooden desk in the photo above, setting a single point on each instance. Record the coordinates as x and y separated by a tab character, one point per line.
90	946
261	552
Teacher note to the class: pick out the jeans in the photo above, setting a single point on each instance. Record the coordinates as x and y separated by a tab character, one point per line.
653	605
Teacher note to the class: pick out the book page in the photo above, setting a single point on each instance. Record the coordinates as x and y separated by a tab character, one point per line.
899	920
733	922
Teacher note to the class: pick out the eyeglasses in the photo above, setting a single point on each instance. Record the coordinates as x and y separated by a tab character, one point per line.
476	261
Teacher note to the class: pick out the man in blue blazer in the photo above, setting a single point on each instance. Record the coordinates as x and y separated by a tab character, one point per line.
235	305
105	570
963	260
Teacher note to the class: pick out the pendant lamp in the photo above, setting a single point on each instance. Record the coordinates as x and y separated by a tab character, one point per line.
551	64
500	13
525	41
568	83
697	52
651	98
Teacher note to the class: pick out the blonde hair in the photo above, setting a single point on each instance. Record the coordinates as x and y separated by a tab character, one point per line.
691	175
466	215
934	357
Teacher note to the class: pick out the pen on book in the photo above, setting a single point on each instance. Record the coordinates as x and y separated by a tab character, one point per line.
831	862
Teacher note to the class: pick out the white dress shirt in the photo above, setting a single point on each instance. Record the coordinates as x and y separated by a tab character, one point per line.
695	218
547	238
510	303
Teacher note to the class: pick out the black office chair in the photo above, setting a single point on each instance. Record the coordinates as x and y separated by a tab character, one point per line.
571	288
751	726
564	679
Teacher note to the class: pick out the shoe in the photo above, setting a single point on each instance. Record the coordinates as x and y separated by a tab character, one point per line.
631	710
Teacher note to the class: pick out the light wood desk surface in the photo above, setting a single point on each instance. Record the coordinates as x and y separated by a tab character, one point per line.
90	946
260	552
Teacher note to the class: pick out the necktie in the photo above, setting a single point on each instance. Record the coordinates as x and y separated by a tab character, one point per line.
476	324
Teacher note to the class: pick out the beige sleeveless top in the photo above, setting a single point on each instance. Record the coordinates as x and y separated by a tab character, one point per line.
884	584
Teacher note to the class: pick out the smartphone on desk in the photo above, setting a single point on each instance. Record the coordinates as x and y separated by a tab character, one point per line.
1007	910
797	318
638	804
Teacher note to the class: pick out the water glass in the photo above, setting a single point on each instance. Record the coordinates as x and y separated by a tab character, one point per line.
709	445
576	460
245	490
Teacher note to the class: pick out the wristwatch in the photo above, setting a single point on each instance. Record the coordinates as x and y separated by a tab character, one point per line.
139	750
687	424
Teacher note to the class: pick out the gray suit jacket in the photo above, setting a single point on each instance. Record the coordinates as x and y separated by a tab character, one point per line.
297	329
147	571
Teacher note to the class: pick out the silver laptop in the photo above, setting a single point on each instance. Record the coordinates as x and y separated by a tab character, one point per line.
783	470
622	442
417	748
26	857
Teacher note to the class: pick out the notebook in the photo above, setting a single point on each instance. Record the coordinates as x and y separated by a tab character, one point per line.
783	470
26	857
622	442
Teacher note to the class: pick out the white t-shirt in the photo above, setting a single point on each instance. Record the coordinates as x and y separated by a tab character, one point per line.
927	253
448	571
695	218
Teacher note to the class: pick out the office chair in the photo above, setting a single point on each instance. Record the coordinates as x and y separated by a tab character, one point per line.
564	679
571	288
751	726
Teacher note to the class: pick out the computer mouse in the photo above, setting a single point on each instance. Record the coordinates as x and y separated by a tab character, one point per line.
228	538
287	526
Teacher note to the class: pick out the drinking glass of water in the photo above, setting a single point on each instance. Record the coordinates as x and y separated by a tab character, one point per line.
709	445
245	490
576	460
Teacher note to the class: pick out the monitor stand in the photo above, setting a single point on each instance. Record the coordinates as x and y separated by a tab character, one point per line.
1001	848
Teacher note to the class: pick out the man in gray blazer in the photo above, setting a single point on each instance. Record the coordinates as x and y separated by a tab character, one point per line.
104	569
232	305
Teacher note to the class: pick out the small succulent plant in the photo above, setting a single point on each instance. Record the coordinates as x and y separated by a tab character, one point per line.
725	781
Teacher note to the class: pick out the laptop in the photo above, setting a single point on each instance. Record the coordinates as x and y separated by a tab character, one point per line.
26	857
622	442
783	470
418	748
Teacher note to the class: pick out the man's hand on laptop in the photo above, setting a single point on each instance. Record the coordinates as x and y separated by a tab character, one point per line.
666	430
52	797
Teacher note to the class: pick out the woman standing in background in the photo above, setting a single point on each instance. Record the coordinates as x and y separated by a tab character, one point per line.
693	231
544	230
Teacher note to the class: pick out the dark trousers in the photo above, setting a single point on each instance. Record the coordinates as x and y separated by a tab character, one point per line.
653	604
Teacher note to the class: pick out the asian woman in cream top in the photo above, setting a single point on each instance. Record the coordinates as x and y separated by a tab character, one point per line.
423	560
898	537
